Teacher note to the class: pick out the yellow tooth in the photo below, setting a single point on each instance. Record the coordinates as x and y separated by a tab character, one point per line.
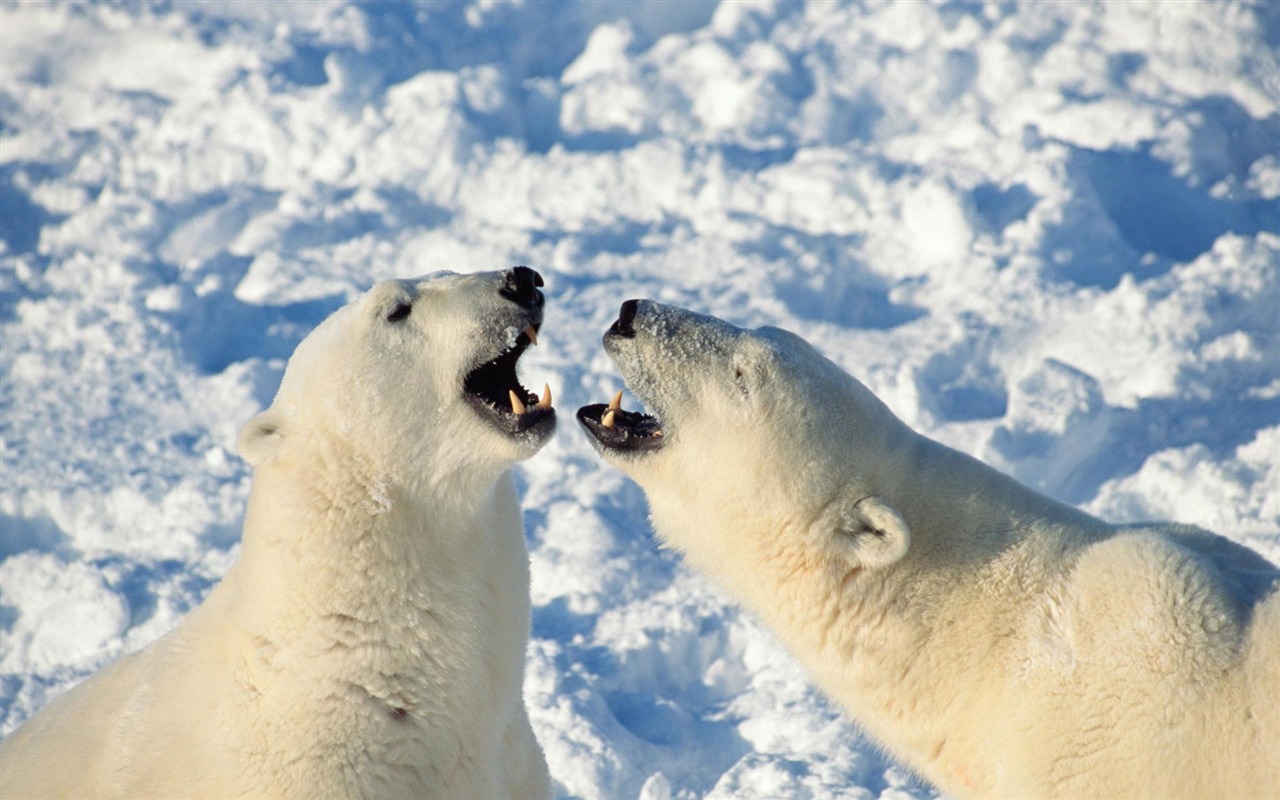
616	402
532	334
607	419
545	402
516	405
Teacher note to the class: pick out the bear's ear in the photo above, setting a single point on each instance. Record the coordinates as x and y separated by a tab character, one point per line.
871	531
260	437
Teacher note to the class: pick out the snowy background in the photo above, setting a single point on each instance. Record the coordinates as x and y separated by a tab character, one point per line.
1045	233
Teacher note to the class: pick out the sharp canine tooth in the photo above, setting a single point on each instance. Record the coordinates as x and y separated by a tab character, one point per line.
516	405
532	334
607	419
616	402
545	402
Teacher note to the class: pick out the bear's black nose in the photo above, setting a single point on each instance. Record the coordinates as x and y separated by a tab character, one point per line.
622	326
520	286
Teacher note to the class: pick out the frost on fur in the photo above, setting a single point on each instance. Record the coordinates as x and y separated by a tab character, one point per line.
1001	643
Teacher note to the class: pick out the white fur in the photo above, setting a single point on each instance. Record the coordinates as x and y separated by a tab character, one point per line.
370	639
1001	643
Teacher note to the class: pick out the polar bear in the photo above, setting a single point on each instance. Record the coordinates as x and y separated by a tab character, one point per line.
999	642
370	639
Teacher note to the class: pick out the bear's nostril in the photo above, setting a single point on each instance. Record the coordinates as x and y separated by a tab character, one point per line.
520	286
623	326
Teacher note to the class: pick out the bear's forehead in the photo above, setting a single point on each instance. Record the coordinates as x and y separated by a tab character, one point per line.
411	286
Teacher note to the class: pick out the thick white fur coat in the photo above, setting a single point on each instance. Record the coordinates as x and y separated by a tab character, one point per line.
999	642
370	639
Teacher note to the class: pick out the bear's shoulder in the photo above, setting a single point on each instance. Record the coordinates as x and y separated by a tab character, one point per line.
1166	598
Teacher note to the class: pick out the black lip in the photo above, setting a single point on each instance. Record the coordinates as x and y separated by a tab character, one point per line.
534	422
487	388
632	431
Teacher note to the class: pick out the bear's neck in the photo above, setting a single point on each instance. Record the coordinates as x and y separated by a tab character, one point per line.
330	553
955	503
359	604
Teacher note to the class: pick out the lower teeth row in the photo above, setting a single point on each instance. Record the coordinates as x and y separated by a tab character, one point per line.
518	407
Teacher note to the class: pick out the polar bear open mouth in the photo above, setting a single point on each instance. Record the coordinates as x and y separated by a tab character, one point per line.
618	429
494	390
609	426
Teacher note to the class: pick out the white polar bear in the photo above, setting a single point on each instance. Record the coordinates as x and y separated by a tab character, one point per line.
999	642
370	639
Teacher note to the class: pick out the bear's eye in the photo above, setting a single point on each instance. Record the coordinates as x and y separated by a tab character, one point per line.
399	312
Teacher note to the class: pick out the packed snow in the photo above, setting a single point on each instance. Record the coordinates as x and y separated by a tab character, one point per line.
1047	234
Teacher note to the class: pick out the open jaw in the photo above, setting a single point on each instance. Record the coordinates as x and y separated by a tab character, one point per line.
618	430
494	391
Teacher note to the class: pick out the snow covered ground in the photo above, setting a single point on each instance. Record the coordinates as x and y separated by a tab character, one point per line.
1045	233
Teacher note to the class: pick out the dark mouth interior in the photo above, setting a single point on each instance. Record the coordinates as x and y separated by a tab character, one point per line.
631	430
489	387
